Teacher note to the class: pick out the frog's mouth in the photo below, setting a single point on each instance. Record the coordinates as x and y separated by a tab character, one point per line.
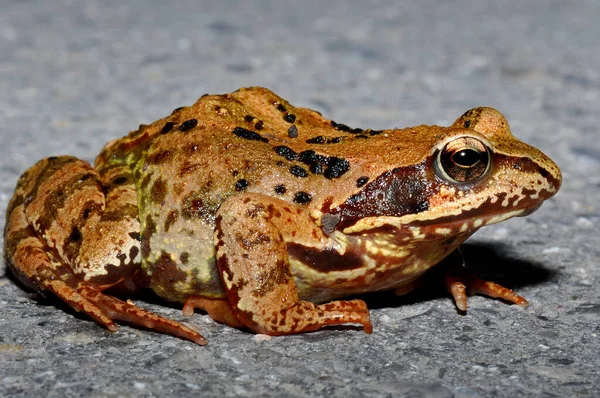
489	212
471	221
435	228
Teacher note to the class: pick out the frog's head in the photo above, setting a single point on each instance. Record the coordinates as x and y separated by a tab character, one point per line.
476	173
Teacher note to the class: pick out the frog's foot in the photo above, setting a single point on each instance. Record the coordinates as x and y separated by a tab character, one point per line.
461	282
305	316
218	309
104	309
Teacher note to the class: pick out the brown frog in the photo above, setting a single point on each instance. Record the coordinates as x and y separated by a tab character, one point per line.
261	213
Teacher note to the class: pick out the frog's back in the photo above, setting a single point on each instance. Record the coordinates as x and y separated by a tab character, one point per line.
254	141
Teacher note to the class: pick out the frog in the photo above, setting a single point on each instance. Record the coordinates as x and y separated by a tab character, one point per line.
268	217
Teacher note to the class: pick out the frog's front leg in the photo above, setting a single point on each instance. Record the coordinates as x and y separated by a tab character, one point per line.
250	236
74	232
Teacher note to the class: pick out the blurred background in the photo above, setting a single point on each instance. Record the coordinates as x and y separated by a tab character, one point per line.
76	74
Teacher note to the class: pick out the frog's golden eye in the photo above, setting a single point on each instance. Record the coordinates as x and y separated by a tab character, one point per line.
464	159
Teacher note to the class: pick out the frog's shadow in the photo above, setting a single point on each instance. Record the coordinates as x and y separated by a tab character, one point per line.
489	261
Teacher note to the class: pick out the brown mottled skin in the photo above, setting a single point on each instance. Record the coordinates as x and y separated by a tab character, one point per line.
259	212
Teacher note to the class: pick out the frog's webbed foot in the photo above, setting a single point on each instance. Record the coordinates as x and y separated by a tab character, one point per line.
460	281
253	261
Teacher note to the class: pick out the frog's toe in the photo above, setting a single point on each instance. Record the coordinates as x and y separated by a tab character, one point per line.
463	283
344	311
79	303
128	312
458	290
492	289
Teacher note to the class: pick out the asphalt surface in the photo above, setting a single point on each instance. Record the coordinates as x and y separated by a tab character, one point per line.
74	75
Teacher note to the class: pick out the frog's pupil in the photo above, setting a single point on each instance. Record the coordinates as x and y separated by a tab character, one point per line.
466	157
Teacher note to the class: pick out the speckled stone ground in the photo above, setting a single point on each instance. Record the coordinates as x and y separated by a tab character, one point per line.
75	74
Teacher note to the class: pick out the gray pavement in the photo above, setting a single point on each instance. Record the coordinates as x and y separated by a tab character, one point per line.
75	74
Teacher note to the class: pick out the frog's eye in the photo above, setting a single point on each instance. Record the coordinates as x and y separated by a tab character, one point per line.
464	159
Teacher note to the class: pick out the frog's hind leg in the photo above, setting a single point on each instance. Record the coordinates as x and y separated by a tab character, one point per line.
62	236
253	262
31	261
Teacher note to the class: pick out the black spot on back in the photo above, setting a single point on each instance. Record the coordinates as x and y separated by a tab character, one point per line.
286	152
241	185
302	198
293	131
280	189
188	125
336	167
345	128
298	171
248	135
167	127
361	181
324	140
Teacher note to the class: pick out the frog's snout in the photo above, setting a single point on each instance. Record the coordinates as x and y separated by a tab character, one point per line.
551	173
